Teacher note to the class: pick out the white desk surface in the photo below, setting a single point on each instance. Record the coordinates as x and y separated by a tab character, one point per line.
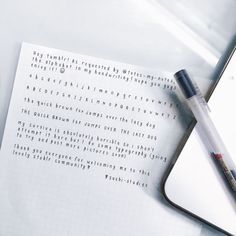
142	32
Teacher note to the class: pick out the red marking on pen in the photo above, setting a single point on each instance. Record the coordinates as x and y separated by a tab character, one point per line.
217	156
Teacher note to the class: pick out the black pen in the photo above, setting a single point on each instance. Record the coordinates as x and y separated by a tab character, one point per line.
217	148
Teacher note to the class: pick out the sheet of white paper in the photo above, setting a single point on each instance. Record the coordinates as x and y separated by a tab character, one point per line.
85	145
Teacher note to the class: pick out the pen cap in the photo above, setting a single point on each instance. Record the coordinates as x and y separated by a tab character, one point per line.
185	83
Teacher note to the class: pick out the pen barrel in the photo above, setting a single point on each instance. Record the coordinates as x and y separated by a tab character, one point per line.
227	172
207	126
216	145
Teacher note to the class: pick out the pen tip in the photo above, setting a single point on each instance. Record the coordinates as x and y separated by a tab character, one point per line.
185	83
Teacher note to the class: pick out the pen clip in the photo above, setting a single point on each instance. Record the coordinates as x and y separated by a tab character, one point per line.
201	98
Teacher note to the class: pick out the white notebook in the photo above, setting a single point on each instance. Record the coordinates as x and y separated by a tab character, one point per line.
85	146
